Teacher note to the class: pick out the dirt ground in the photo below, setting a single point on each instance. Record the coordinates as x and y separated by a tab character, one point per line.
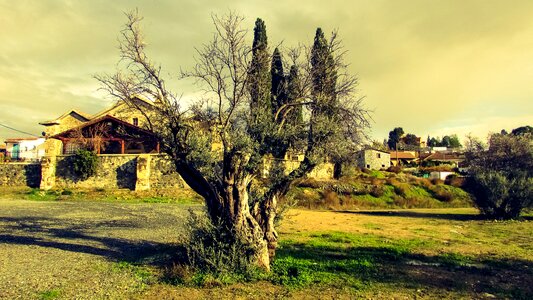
75	247
93	250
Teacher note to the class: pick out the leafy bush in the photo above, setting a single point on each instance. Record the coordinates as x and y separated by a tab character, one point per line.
454	180
395	169
310	183
436	181
84	163
501	177
377	191
500	196
441	193
331	199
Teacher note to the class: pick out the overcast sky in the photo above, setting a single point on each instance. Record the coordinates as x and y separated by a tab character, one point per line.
431	67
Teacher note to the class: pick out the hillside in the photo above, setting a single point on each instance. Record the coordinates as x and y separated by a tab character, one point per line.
378	189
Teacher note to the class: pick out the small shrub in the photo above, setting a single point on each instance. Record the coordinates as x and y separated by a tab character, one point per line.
213	250
393	181
376	181
310	183
84	163
377	191
331	199
454	180
440	193
395	169
436	181
423	182
401	189
366	171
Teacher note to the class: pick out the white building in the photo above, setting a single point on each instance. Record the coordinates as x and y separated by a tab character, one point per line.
25	148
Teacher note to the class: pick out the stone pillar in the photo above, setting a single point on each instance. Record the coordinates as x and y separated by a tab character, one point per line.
48	172
143	172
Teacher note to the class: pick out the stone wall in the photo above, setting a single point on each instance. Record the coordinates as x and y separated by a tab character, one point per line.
115	171
20	174
163	174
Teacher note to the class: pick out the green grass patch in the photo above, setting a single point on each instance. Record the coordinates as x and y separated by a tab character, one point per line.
141	273
377	174
338	259
173	196
49	294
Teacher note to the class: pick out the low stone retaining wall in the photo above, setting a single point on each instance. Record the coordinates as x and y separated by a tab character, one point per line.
20	174
115	171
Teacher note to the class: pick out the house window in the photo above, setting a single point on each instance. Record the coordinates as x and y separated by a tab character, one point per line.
71	148
379	155
136	121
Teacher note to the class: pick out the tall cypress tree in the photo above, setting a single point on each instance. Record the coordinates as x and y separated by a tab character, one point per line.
293	93
323	72
259	75
319	53
278	92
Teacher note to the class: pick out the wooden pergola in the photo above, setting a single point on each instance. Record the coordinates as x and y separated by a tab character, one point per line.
106	131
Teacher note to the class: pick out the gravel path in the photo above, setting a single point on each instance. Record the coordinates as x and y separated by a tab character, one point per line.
81	250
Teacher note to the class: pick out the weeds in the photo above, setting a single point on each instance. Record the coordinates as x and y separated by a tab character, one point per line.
213	256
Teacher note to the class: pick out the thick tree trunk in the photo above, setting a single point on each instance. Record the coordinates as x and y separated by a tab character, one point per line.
270	233
235	210
243	225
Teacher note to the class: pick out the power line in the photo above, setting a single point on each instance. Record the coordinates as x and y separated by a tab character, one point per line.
14	129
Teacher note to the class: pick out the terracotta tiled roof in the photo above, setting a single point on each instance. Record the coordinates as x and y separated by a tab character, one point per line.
445	156
401	155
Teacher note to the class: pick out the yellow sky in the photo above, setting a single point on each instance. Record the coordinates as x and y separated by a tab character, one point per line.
431	67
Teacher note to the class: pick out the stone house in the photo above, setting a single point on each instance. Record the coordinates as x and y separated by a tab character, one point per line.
75	119
108	135
373	159
128	154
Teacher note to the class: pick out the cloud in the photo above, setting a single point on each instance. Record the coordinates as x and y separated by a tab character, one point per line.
428	66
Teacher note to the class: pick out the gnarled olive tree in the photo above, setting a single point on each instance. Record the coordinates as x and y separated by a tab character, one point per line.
219	144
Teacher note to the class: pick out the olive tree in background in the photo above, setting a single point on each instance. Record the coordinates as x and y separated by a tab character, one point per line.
501	175
320	116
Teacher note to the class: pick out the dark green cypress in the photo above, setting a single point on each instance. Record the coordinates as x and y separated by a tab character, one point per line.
324	74
293	95
278	92
260	75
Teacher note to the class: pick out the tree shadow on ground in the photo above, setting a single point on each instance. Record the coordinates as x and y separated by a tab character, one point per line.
428	215
79	237
503	278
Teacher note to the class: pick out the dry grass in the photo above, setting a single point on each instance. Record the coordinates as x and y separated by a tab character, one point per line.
102	250
452	229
